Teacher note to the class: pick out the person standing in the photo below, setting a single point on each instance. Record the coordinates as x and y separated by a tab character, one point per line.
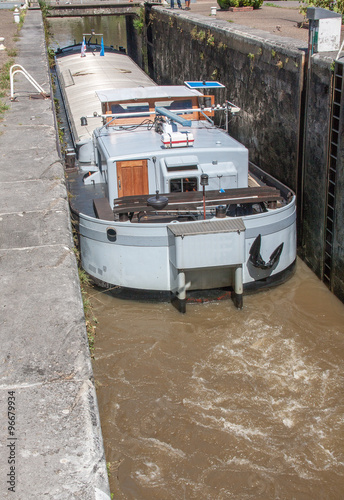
187	4
178	3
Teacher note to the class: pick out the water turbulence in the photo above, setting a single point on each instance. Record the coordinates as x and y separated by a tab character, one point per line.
222	403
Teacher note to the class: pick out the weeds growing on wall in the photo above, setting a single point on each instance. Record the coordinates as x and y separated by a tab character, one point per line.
139	21
45	10
90	320
85	284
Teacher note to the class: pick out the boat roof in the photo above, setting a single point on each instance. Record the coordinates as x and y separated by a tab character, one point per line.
81	77
154	92
142	143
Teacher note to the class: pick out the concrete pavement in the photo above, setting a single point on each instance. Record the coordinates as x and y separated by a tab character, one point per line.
50	441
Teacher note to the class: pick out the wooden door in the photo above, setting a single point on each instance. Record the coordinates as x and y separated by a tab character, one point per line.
132	178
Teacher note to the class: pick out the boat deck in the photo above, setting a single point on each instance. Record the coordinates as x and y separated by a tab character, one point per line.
92	200
80	196
190	201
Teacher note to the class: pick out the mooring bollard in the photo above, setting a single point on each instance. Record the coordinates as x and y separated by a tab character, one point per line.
16	14
2	46
213	11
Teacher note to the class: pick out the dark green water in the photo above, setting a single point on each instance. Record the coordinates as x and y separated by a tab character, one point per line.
68	30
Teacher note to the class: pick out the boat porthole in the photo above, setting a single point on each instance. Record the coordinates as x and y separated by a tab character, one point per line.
111	234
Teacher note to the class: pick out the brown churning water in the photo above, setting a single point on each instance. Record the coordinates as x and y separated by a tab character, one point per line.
221	403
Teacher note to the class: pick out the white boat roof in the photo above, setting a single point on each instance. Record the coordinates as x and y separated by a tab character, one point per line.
143	143
154	92
83	76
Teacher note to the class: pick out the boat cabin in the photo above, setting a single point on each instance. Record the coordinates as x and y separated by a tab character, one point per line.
162	139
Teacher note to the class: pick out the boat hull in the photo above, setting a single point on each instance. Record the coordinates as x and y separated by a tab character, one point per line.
151	257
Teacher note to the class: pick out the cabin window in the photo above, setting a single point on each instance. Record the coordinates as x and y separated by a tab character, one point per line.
183	185
131	107
175	105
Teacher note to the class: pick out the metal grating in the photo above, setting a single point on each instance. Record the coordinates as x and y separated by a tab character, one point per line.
207	227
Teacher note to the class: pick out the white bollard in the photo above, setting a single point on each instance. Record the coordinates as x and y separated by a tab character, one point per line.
213	11
2	46
16	14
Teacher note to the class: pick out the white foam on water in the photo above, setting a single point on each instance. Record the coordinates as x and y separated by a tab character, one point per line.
230	427
151	476
288	422
165	447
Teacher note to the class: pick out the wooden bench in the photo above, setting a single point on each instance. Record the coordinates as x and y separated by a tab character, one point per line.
102	209
191	200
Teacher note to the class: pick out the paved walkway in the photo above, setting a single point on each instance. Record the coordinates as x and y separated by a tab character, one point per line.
282	20
50	438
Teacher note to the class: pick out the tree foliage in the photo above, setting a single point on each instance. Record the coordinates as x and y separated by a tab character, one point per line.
226	4
334	5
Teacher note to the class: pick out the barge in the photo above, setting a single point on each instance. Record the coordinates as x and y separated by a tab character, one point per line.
166	201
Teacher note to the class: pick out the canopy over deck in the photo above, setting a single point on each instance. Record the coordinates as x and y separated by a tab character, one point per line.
139	93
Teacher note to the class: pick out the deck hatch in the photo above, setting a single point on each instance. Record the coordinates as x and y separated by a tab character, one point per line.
176	163
68	79
207	227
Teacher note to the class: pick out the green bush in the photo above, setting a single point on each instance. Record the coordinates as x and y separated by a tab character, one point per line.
337	6
226	4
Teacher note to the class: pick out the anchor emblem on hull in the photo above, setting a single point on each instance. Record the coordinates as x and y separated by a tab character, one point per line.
256	258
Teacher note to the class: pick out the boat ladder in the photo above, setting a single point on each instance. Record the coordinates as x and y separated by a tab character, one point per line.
17	68
334	150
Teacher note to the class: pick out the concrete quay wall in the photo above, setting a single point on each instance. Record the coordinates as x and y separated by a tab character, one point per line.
51	443
285	109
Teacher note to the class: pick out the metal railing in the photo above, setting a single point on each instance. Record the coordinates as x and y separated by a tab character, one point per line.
27	75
